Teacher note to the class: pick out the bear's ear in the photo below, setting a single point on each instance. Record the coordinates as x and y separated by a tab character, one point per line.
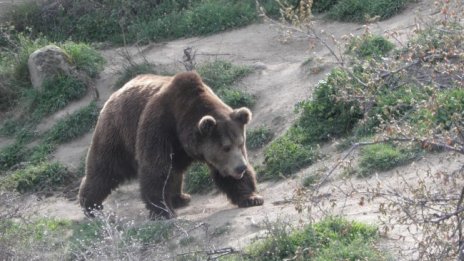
242	115
206	125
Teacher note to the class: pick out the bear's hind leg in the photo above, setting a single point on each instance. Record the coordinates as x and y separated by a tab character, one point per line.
101	178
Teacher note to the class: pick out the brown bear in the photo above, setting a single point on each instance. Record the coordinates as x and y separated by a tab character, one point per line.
153	128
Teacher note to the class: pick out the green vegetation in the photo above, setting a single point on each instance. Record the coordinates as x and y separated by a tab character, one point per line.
14	72
382	157
330	239
150	233
258	137
43	176
128	21
285	156
85	58
73	126
57	93
220	76
369	45
198	179
38	174
362	10
325	116
310	180
320	6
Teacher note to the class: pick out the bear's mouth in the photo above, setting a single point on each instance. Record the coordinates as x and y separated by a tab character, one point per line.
239	176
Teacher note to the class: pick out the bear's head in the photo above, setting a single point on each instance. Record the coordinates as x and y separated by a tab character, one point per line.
222	142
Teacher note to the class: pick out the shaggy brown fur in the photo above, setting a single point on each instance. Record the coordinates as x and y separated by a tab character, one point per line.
154	128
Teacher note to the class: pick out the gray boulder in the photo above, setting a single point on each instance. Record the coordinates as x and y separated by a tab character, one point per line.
48	62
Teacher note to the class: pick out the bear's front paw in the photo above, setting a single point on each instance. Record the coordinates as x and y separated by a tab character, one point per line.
253	200
181	200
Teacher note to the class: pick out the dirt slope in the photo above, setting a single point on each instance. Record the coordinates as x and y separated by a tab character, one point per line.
279	82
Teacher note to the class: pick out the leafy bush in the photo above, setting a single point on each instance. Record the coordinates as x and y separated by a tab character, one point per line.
382	157
198	179
220	76
122	21
76	124
57	93
369	45
43	176
450	107
326	116
330	239
320	6
150	233
42	235
285	156
257	138
236	98
361	10
12	155
85	58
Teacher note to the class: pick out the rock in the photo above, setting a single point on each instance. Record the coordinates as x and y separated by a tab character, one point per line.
48	62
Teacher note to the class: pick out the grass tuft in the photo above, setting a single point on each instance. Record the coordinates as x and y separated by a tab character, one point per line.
284	157
258	137
221	76
362	10
369	46
332	238
382	157
40	177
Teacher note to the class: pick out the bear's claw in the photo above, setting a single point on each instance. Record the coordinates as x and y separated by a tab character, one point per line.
254	200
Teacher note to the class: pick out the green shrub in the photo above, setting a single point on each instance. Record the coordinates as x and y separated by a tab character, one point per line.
75	125
310	180
236	98
382	157
320	6
130	21
326	116
284	157
43	176
150	233
362	10
57	93
43	233
12	155
198	179
330	239
220	76
450	108
369	45
257	138
393	104
129	72
85	58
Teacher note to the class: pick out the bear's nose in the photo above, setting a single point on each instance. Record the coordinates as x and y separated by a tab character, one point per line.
240	169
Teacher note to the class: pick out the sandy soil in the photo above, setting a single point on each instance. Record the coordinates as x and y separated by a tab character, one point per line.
279	82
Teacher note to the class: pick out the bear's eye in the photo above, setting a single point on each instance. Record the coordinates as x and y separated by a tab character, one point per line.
227	148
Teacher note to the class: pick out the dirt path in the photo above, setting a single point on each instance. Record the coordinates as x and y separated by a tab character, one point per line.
279	82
